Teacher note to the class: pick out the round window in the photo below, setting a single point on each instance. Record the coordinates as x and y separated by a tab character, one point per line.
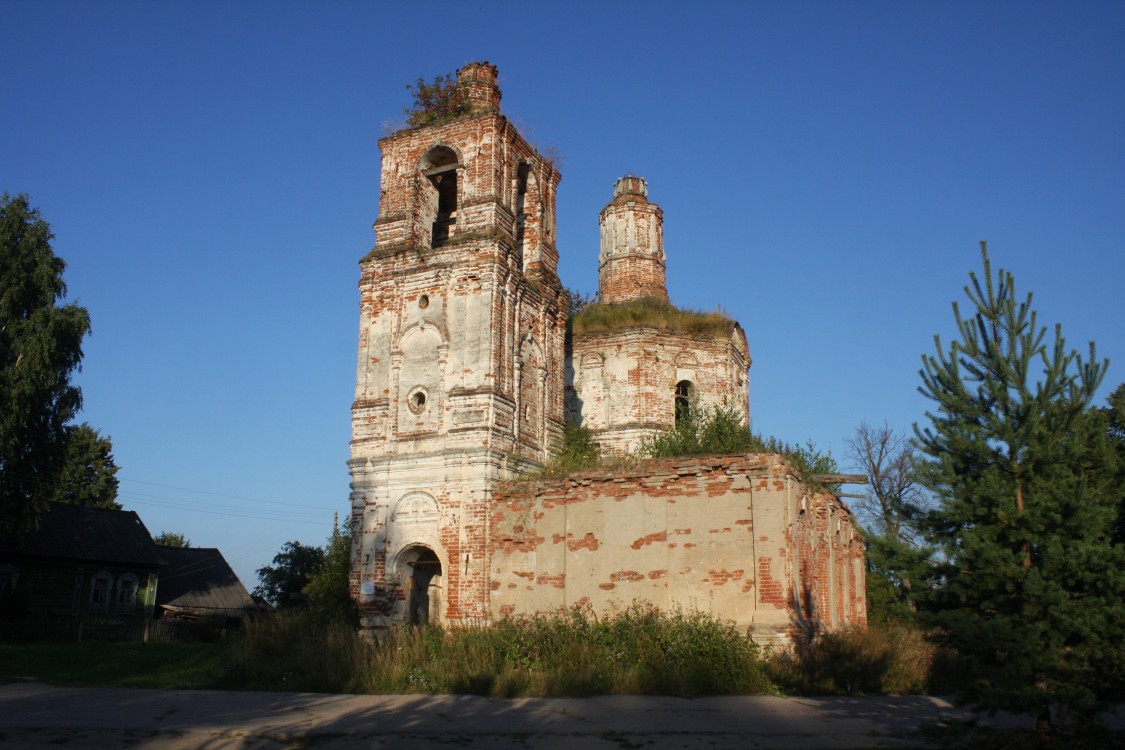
424	301
416	401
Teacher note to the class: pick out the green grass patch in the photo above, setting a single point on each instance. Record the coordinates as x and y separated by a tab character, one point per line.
649	312
165	666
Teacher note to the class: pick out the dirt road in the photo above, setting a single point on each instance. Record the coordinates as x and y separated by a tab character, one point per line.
33	715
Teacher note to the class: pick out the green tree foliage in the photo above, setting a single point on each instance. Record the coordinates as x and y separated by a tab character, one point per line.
440	100
88	474
329	586
281	583
40	348
1115	418
171	539
1115	414
888	511
1032	588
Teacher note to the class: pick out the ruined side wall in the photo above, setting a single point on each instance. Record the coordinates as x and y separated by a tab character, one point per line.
724	535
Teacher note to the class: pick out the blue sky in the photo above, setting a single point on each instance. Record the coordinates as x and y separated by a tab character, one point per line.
826	172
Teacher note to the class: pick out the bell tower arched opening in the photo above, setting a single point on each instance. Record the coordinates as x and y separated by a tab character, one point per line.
439	166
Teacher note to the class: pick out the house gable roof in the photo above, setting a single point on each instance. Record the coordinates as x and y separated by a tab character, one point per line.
200	582
74	533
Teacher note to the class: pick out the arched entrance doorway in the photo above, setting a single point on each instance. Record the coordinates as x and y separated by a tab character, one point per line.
423	586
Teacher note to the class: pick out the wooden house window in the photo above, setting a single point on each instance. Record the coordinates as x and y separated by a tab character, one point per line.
100	586
127	587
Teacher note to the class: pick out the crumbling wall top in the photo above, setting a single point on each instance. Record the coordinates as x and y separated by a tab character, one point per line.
479	82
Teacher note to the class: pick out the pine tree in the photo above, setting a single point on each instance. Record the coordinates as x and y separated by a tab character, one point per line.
40	348
1032	587
1115	416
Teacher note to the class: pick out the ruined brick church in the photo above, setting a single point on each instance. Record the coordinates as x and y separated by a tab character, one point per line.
467	378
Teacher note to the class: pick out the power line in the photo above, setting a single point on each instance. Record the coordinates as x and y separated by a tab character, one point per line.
190	503
257	516
217	494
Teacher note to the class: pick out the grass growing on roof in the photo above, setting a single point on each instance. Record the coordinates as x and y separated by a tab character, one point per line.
649	312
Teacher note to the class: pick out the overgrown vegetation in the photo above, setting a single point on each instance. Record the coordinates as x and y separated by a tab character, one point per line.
649	312
639	650
702	431
579	452
894	658
720	429
437	101
296	649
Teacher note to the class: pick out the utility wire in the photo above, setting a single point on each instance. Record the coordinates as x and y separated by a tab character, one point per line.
218	494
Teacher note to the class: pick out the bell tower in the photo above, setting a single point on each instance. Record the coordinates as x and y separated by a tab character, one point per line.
458	380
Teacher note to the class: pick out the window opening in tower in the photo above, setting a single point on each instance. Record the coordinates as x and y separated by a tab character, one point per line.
446	185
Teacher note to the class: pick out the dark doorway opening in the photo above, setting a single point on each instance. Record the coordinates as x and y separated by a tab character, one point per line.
423	592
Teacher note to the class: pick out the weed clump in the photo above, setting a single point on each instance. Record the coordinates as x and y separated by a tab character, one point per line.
440	100
579	452
721	430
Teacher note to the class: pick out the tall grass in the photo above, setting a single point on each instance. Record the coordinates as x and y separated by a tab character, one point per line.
639	650
296	651
894	658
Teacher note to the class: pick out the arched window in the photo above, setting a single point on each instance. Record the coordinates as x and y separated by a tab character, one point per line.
521	199
685	390
439	166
